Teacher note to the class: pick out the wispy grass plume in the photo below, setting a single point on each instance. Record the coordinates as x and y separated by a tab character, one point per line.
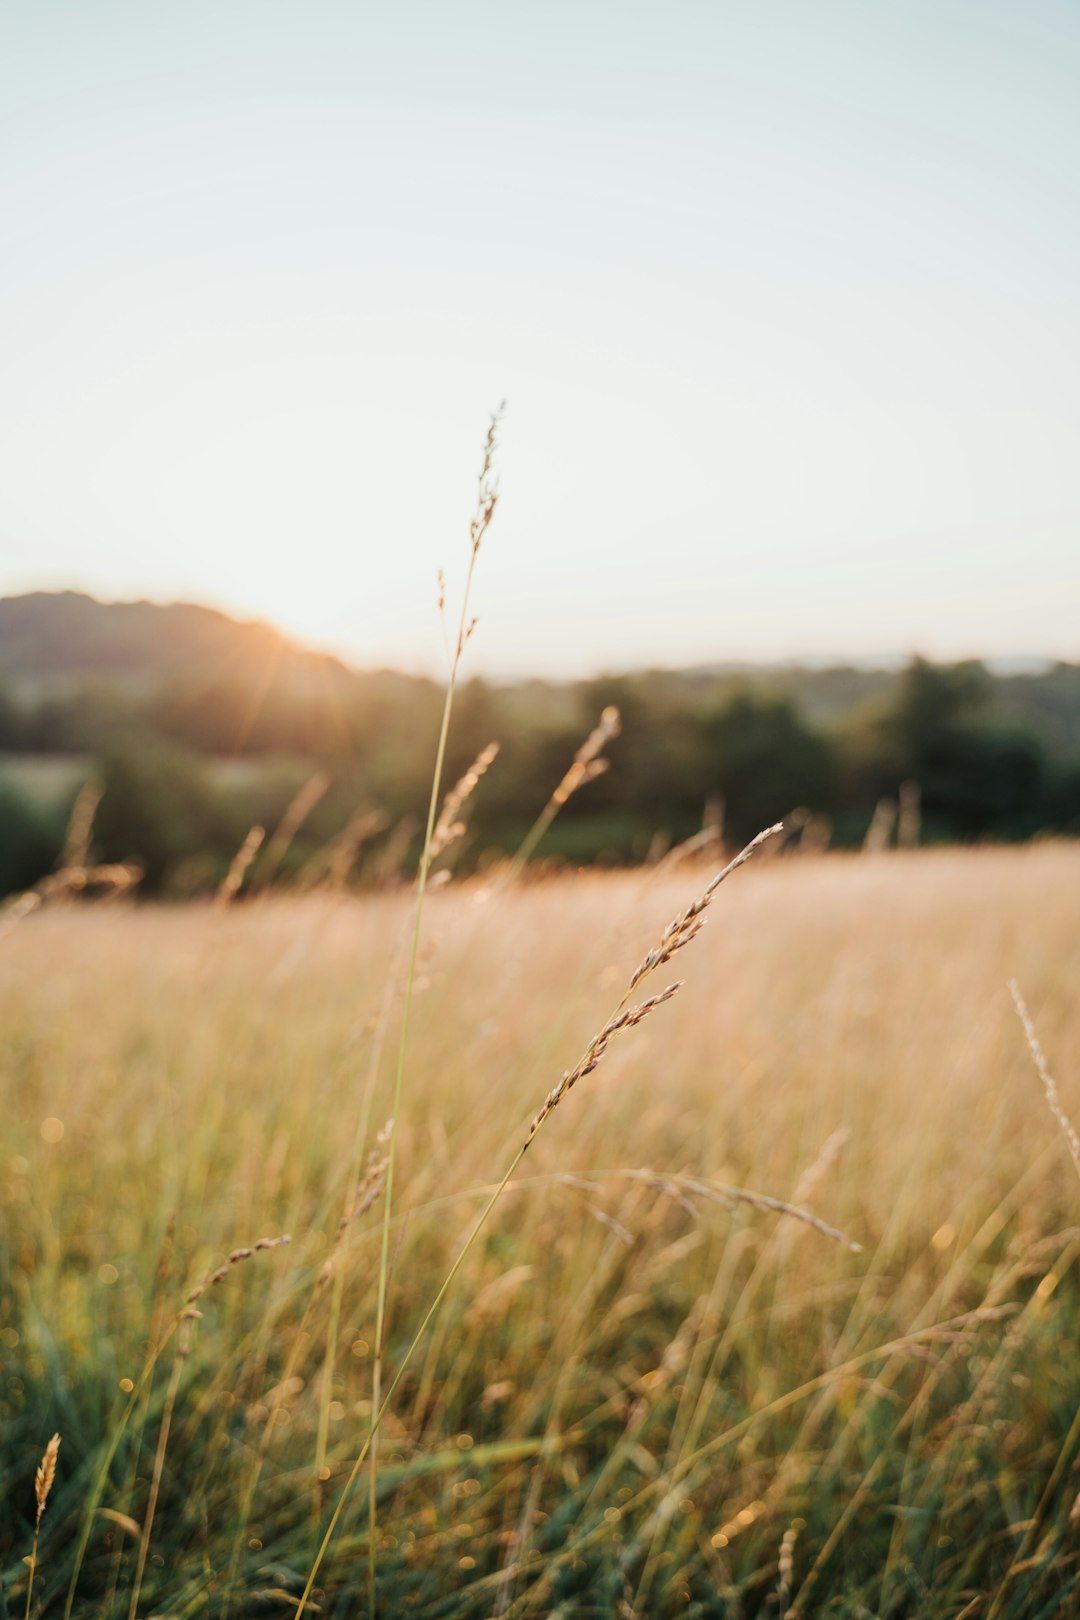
586	765
1053	1097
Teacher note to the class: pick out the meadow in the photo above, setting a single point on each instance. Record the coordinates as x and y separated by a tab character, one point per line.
643	1395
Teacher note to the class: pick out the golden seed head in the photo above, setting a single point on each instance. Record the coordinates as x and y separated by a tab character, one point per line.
46	1473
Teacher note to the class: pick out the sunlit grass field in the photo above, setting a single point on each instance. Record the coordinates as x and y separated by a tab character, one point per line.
642	1397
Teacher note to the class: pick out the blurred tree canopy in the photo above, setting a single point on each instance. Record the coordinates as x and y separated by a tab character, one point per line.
192	751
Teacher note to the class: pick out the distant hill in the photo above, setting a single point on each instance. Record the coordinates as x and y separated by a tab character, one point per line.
219	682
77	674
59	635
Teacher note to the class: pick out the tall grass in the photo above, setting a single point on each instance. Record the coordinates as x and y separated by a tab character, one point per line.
640	1387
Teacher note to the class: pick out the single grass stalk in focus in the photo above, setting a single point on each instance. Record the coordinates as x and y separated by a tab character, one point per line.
487	496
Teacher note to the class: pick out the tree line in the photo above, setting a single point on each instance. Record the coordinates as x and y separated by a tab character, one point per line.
190	763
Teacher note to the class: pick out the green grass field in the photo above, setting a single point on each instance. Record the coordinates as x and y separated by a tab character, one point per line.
642	1397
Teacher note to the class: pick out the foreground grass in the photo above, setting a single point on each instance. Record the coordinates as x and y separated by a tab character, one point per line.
638	1400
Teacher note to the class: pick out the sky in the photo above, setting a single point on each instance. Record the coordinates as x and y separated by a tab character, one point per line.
783	299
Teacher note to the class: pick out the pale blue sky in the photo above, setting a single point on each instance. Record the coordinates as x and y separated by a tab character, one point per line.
783	296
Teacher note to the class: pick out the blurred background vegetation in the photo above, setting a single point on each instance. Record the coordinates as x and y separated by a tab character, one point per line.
199	726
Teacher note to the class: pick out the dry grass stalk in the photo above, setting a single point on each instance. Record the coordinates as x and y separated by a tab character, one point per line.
370	1186
45	1476
450	827
596	1049
678	1187
43	1484
678	933
816	835
76	851
909	818
487	498
299	808
585	766
587	763
486	502
18	908
1053	1098
879	832
239	865
682	929
815	1173
237	1255
706	842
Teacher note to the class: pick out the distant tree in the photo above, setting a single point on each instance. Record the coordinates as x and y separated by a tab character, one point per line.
30	840
933	701
977	778
765	760
1063	794
986	781
160	808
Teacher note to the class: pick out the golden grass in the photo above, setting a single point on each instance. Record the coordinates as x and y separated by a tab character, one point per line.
719	1395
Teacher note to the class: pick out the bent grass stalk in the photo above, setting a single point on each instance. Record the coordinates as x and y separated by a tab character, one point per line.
678	933
486	501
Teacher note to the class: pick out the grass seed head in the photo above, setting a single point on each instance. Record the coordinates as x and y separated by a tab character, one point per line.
46	1474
